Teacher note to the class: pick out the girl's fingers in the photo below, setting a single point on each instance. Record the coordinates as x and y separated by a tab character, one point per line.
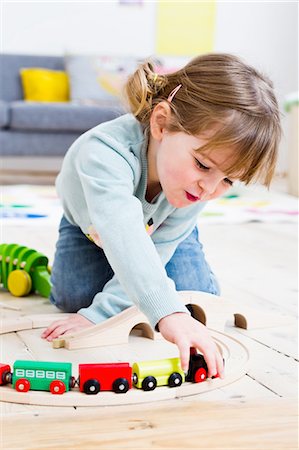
62	329
51	328
220	365
184	349
210	359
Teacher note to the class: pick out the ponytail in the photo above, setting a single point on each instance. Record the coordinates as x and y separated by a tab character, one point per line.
141	89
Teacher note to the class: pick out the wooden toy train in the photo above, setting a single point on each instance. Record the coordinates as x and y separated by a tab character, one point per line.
57	378
24	270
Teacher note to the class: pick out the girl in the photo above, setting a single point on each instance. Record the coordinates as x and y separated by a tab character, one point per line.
132	190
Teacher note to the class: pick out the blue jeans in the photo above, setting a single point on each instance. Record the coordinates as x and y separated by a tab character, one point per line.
81	269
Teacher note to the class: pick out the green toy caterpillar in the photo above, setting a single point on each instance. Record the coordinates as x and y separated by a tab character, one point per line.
24	270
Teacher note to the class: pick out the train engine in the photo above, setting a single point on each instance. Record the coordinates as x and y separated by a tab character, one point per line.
198	369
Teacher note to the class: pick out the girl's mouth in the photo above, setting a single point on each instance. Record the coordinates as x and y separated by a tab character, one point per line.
192	198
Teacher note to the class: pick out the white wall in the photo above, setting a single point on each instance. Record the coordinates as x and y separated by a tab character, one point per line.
54	28
264	33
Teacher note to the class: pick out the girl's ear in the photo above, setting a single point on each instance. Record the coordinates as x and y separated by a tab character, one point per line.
159	119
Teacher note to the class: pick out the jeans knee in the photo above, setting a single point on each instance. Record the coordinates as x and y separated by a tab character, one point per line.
69	303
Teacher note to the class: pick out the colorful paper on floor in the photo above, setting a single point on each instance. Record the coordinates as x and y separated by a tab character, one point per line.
252	205
34	205
39	205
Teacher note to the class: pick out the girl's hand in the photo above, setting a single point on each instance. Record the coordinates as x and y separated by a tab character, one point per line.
75	322
186	332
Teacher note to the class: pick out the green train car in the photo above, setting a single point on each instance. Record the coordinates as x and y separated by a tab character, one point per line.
147	375
55	377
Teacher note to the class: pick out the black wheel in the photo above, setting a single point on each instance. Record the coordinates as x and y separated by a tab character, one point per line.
175	379
149	384
6	377
120	385
135	379
91	387
72	382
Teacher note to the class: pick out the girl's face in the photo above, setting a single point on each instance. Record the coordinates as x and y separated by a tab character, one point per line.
186	176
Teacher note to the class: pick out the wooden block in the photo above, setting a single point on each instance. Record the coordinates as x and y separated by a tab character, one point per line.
58	343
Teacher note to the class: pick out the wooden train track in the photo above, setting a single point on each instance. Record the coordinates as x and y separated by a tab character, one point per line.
211	310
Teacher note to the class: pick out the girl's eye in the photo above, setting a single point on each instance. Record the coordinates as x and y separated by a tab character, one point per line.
200	165
227	181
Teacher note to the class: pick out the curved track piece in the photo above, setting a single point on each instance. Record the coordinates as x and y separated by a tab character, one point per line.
211	310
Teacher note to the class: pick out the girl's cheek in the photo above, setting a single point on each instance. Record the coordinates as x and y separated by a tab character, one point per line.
219	191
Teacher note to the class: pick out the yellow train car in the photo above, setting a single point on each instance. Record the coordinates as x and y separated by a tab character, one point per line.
147	375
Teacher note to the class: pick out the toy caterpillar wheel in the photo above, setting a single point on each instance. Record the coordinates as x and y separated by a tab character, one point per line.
24	270
19	283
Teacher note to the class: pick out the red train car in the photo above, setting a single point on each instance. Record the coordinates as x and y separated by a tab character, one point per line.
116	377
5	374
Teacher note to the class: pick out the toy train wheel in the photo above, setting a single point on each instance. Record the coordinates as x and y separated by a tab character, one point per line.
175	379
57	387
6	377
19	283
22	385
149	384
91	387
120	386
72	382
200	375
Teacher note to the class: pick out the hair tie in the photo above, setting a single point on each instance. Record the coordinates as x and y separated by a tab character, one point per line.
173	92
155	77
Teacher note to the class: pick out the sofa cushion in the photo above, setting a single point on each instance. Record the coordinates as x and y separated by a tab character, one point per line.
45	85
60	116
4	114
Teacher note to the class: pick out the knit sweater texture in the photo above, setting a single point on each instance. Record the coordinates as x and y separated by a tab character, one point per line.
102	186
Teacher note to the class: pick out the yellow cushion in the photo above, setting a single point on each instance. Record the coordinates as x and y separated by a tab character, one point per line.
44	85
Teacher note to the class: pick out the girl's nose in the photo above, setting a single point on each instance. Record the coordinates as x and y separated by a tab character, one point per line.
209	183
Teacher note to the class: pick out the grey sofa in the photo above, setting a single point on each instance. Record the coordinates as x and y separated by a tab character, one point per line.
41	129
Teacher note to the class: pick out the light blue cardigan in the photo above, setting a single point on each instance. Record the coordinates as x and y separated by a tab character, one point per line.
102	184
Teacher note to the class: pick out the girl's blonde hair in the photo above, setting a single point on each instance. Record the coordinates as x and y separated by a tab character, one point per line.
219	92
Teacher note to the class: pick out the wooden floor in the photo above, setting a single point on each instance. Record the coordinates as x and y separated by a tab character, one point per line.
257	264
